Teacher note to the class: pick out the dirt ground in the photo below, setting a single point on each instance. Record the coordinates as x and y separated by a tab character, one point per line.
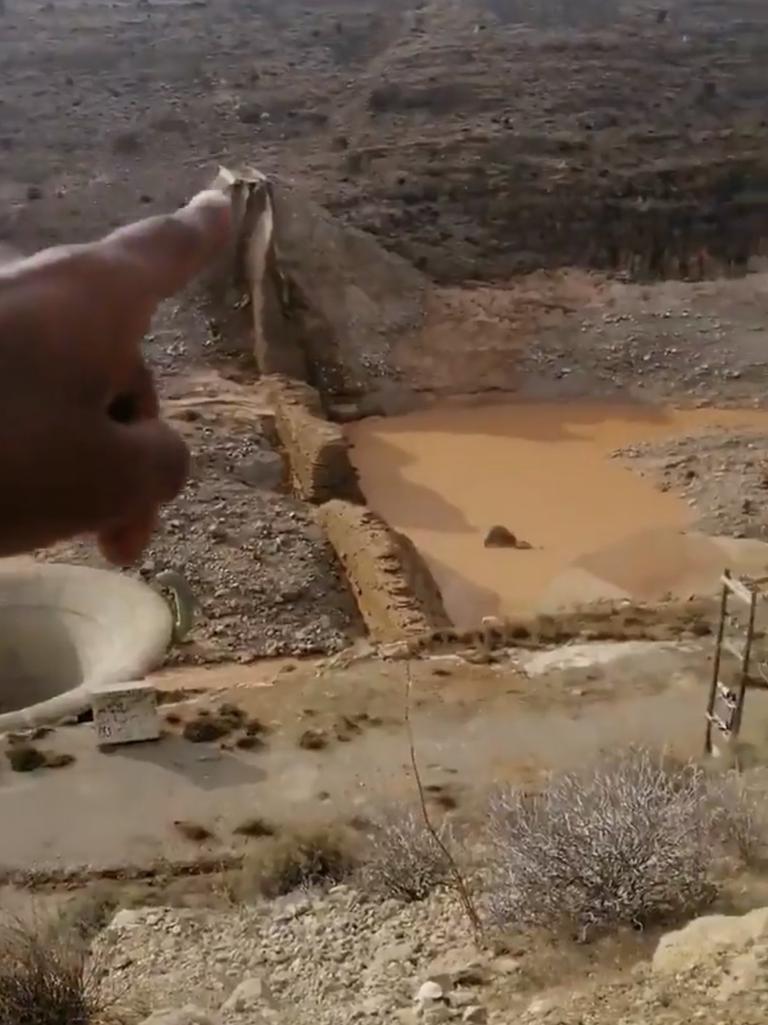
723	475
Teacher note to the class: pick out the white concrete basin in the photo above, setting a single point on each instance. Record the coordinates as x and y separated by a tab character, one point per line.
66	631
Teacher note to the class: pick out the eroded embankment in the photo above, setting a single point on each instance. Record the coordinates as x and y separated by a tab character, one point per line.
394	589
396	593
317	450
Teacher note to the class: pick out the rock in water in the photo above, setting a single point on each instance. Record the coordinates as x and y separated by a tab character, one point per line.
500	537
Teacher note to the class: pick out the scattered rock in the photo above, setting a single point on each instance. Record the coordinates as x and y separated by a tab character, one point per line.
395	953
506	965
188	1015
251	995
540	1007
744	974
127	918
407	1016
463	998
710	937
476	1014
460	965
436	1014
264	469
433	990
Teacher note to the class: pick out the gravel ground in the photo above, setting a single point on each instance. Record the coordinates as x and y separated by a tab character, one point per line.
679	342
264	574
336	959
722	474
333	959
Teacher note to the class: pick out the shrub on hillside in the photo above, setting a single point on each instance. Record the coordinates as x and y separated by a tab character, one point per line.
45	977
314	856
740	816
404	860
628	842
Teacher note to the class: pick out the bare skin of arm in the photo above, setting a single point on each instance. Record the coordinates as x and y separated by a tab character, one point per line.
82	447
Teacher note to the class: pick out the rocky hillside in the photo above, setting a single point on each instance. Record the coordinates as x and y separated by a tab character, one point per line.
335	960
477	137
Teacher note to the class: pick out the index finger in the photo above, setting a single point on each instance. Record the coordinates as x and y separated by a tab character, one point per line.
166	252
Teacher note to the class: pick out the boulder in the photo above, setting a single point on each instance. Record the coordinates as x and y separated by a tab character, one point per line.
128	918
251	995
433	991
501	537
475	1014
713	938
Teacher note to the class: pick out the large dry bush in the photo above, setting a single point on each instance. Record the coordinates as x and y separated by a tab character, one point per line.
740	815
46	977
404	861
629	842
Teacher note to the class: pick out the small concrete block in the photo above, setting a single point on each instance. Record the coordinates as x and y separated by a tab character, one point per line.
125	713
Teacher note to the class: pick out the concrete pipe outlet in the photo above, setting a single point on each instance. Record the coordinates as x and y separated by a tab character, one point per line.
66	631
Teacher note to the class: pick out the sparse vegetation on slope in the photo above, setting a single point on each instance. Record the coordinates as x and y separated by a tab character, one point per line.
404	860
46	977
632	841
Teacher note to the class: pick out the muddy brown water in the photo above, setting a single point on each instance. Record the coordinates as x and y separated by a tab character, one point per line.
544	471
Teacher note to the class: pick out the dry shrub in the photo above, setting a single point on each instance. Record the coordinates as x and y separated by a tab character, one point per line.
740	817
46	977
89	911
314	856
404	860
628	842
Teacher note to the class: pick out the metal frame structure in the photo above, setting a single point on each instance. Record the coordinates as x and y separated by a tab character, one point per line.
725	707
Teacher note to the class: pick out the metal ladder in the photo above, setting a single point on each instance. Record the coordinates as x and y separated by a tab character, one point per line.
725	706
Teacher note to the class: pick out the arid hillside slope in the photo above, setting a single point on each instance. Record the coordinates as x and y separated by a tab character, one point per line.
478	138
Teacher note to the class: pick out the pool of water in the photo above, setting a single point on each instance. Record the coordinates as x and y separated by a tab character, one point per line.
544	471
